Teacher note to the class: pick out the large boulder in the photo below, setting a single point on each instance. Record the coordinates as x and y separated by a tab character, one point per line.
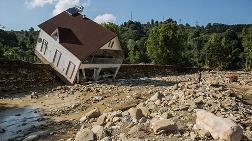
163	125
220	128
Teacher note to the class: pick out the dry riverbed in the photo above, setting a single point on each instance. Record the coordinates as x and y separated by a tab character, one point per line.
55	114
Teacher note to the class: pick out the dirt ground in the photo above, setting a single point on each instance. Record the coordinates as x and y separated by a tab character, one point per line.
61	108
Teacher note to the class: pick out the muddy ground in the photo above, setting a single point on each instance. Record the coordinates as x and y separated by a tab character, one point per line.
54	113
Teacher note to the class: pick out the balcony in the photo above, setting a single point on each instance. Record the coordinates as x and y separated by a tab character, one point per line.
102	61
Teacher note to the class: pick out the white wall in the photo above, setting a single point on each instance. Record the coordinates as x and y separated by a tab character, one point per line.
65	57
116	46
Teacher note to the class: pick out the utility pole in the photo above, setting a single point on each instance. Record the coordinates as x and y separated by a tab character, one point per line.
131	16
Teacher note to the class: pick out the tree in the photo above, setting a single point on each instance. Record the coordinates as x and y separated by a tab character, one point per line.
212	51
137	51
164	44
247	43
113	27
1	50
231	50
192	54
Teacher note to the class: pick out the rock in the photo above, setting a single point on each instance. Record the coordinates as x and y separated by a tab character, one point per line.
70	139
106	139
204	133
220	128
133	139
31	138
116	113
83	119
193	136
166	115
133	130
34	95
116	119
99	131
163	125
135	113
36	135
145	111
91	114
157	96
98	98
84	135
2	130
101	120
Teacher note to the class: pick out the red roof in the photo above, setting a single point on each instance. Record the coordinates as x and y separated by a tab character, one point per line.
78	34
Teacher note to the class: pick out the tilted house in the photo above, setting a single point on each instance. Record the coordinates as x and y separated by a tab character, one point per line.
77	47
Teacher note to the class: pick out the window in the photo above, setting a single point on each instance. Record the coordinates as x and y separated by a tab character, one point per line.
44	46
56	58
70	69
111	44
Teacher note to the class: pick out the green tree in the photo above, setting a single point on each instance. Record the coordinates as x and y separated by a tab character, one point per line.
212	51
1	50
247	43
137	51
112	27
164	44
231	50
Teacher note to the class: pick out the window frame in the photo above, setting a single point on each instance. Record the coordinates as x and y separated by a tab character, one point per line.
70	62
44	46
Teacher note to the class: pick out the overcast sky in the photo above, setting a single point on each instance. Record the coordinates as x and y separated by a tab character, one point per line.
23	14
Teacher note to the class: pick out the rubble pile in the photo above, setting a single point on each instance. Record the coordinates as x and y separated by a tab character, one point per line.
192	109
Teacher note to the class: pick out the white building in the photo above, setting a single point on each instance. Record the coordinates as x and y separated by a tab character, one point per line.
76	47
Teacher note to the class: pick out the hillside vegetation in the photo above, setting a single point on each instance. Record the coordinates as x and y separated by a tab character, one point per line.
215	45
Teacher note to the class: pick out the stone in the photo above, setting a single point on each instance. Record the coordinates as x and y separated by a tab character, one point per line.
204	133
116	119
133	139
135	113
133	130
101	120
98	98
116	113
145	111
84	135
70	139
2	130
31	138
220	128
157	96
163	125
37	135
83	119
99	131
166	115
91	114
106	139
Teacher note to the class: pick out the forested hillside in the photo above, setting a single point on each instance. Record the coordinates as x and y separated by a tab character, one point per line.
216	45
18	45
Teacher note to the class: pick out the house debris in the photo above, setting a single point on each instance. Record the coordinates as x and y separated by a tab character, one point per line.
78	48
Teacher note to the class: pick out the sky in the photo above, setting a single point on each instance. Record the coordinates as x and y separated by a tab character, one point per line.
23	14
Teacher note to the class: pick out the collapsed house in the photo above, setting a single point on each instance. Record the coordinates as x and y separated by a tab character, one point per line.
78	48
